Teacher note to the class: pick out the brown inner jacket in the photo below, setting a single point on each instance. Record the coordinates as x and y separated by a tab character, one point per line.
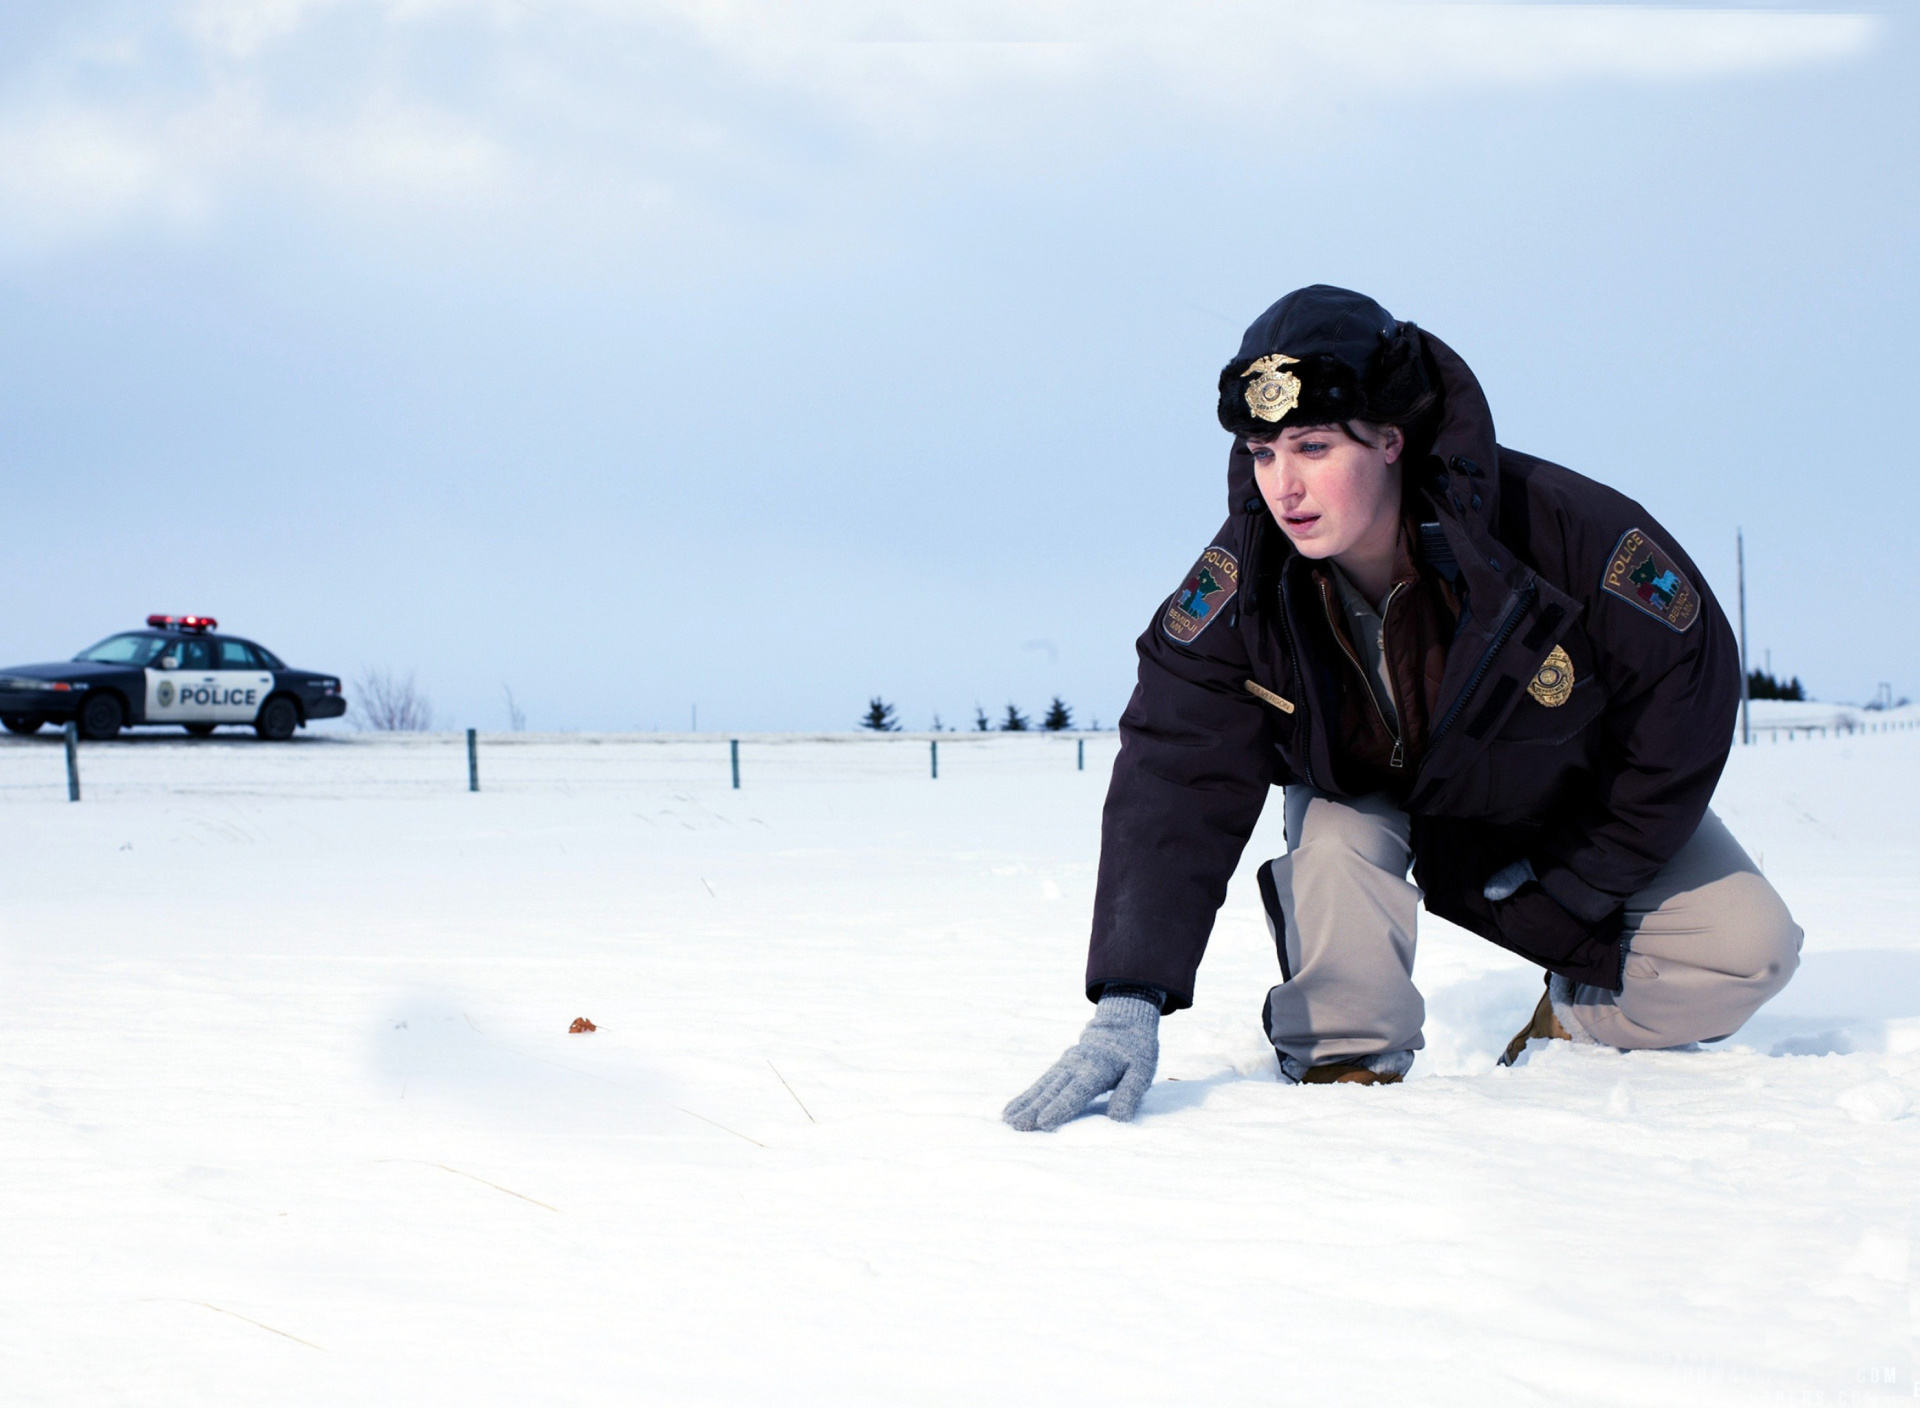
1418	624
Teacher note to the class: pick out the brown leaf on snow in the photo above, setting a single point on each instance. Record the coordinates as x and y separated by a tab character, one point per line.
581	1024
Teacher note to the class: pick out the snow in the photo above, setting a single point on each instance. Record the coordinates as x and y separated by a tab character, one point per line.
289	1112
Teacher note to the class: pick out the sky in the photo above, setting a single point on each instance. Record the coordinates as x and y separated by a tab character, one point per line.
760	358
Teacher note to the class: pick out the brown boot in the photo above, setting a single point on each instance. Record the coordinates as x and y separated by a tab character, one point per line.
1542	1024
1348	1073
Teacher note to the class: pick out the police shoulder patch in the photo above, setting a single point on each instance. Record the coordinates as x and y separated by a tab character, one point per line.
1641	573
1202	597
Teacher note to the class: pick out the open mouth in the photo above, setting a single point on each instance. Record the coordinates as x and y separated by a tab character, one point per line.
1300	520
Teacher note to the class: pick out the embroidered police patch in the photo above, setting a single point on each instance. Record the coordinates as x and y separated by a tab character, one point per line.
1202	597
1640	572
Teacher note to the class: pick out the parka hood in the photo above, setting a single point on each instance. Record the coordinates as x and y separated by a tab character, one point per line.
1462	443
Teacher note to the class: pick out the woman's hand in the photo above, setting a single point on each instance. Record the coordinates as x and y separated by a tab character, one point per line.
1118	1051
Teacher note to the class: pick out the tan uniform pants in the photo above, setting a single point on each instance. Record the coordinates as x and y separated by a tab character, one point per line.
1709	940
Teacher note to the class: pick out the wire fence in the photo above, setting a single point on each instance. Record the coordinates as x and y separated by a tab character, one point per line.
33	769
1788	722
1773	733
341	764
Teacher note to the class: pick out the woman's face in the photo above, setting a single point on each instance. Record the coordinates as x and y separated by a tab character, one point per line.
1329	492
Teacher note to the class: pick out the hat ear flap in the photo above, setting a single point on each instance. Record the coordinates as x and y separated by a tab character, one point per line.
1333	394
1235	419
1399	387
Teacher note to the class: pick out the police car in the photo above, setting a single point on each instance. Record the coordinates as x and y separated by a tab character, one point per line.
176	671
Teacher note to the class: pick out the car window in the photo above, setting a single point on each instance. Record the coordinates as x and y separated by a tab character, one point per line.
192	654
125	650
268	660
234	655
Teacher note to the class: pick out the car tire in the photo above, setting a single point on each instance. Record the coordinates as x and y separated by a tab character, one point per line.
22	723
102	716
199	730
278	718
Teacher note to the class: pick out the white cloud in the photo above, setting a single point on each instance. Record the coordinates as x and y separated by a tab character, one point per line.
1227	50
621	113
239	29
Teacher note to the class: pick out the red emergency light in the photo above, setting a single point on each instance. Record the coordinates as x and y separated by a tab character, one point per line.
182	623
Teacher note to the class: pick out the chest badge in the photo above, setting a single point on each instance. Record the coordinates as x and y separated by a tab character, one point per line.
1553	681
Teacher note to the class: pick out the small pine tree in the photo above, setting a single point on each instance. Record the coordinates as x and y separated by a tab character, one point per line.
1059	716
937	726
880	716
1762	685
1014	722
981	723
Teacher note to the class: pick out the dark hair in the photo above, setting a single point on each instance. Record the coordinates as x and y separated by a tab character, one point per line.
1397	388
1346	429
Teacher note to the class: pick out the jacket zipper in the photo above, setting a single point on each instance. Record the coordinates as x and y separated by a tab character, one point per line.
1507	628
1293	661
1399	758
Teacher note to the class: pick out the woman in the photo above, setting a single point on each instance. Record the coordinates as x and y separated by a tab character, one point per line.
1453	657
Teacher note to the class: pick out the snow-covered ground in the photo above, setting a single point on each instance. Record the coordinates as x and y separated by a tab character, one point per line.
289	1112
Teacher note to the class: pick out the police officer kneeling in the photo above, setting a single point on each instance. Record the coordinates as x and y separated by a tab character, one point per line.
1456	658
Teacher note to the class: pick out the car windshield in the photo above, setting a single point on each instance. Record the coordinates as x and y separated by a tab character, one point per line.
125	650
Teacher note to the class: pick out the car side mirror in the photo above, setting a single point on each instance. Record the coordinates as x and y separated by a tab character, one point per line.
168	662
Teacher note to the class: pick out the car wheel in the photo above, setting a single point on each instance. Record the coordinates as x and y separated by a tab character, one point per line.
22	723
278	719
101	717
199	730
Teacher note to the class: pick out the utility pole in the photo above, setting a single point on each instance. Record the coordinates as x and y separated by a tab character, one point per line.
1740	558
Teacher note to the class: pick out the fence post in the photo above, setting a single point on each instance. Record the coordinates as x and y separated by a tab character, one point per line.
933	755
473	760
1081	764
73	760
733	747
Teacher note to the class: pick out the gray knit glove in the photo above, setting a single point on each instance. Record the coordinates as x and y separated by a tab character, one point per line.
1118	1051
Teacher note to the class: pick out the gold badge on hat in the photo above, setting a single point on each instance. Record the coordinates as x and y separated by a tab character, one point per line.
1273	392
1553	681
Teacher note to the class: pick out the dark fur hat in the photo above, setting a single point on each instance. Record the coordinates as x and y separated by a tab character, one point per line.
1326	356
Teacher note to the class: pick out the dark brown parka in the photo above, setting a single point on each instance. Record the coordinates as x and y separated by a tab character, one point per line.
1598	791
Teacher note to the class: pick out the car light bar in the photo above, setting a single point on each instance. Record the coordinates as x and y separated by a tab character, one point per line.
182	623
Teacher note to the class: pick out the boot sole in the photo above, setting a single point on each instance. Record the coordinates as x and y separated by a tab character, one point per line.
1345	1073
